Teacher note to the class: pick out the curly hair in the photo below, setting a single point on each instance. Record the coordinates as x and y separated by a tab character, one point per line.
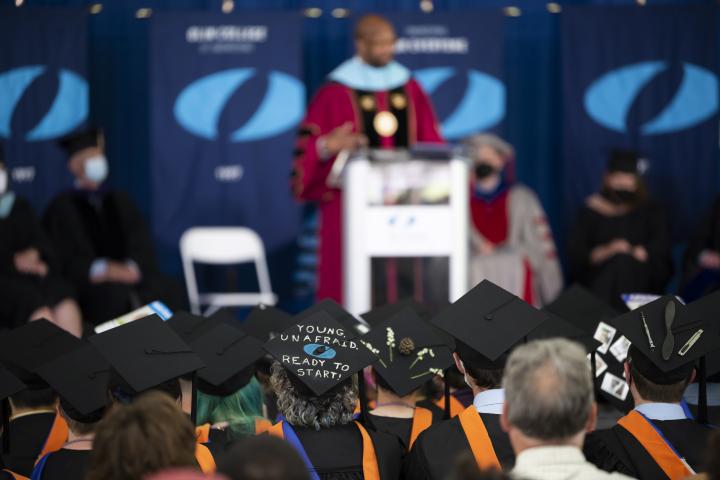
335	407
146	436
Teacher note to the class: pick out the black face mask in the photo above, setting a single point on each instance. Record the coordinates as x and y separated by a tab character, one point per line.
483	170
620	196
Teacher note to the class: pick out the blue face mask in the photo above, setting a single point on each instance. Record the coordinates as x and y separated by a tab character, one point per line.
96	169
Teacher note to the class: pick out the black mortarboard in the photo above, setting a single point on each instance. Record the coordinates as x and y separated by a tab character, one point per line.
582	308
319	352
556	326
627	161
9	383
353	325
74	142
265	322
229	356
381	314
27	347
408	351
189	326
487	322
667	355
80	378
147	353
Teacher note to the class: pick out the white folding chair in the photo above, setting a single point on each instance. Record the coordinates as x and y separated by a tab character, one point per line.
224	246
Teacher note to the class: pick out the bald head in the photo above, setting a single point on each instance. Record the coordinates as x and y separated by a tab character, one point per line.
375	40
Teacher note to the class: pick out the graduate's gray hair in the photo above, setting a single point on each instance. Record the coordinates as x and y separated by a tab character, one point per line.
474	142
548	389
335	407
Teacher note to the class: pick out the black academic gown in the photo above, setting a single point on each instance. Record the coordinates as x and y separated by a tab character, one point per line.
437	448
645	225
706	237
616	450
336	453
21	294
401	428
66	465
86	226
27	438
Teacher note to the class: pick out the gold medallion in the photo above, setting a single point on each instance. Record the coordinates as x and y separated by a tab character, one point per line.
367	103
385	124
398	101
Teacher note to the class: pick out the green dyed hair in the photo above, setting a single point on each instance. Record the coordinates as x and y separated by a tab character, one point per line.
239	409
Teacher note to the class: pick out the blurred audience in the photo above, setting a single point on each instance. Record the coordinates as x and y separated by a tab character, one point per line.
512	241
620	242
701	264
263	458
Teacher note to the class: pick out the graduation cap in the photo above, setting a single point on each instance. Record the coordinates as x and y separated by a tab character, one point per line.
342	316
381	314
582	308
556	326
9	384
229	356
147	353
319	352
265	322
408	350
189	326
27	347
487	322
75	142
80	378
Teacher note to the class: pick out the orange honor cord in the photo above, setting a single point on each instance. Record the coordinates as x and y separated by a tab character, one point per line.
478	438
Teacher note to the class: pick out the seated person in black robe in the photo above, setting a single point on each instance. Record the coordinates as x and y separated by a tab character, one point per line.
314	379
701	263
409	352
480	355
658	438
80	379
103	243
620	241
30	287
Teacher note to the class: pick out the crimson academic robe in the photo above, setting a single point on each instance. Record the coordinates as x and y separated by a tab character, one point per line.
333	105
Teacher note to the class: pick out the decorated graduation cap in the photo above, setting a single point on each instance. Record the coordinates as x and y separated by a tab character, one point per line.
80	378
265	322
146	353
408	350
319	352
229	356
342	316
487	322
27	347
582	308
80	140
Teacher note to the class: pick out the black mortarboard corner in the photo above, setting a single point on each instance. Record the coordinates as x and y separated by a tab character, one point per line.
408	351
352	325
582	308
146	353
669	338
80	378
557	327
77	141
265	322
9	385
627	161
487	322
382	313
319	353
25	348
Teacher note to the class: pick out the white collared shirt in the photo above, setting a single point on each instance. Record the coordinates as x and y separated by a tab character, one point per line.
662	411
558	462
490	401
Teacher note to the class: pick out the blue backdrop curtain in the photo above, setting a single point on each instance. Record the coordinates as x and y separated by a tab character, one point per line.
118	74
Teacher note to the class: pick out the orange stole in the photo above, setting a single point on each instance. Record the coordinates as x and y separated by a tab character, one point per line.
262	425
478	438
204	458
56	438
202	433
654	444
456	407
371	471
14	475
422	419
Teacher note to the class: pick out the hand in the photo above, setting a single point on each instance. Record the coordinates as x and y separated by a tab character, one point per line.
121	273
28	261
601	253
343	138
640	254
709	259
620	245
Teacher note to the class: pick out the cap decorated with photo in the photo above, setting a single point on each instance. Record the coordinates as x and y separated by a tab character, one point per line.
320	352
